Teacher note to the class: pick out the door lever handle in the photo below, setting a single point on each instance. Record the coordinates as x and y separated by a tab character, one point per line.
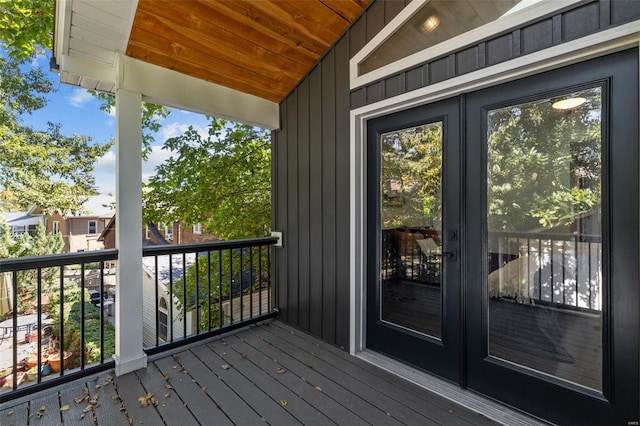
447	255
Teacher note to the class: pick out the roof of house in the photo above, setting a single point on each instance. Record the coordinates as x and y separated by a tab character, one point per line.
21	218
102	206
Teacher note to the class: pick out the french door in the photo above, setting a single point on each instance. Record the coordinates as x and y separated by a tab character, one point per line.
414	182
502	235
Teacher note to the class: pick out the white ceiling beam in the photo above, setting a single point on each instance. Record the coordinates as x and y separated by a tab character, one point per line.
171	88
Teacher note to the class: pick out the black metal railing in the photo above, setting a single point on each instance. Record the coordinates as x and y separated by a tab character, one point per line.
194	291
50	331
560	269
411	254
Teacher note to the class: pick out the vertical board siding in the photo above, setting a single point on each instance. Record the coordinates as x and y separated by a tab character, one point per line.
303	205
291	229
577	21
279	218
315	202
311	192
329	184
342	194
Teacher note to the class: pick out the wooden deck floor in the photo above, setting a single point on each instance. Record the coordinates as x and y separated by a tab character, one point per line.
266	374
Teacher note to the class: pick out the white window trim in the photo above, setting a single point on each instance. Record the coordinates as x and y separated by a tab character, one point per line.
197	228
613	40
89	227
146	233
521	15
55	229
168	232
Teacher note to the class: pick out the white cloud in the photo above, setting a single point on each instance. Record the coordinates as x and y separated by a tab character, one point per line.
172	130
105	173
157	156
79	97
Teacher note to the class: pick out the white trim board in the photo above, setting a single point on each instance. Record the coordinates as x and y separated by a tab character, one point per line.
513	19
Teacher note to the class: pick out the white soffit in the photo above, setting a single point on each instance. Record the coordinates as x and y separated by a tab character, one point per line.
89	41
526	11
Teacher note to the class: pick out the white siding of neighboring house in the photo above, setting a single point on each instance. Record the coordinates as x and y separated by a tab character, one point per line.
149	303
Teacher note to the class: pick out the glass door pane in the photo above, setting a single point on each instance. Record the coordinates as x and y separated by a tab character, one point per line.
544	197
411	224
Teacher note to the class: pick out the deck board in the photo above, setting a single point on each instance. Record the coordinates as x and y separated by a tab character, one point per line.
15	415
272	412
184	383
432	405
234	379
304	412
49	408
130	389
282	372
235	408
172	409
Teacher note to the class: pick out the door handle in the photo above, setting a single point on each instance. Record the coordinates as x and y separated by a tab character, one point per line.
447	255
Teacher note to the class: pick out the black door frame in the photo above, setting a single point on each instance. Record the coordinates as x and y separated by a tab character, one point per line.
552	399
442	356
561	402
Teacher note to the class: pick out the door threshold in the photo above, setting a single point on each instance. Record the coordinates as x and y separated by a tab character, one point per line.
480	404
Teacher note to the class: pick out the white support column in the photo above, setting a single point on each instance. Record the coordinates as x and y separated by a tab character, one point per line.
129	354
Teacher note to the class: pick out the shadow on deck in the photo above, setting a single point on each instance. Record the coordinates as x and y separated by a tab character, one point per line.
270	373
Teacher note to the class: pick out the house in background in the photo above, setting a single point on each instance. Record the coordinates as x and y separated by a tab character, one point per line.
21	222
80	231
344	93
159	234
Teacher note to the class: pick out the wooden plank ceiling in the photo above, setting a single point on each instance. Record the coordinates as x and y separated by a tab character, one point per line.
261	47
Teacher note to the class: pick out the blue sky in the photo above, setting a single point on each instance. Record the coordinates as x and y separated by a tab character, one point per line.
79	113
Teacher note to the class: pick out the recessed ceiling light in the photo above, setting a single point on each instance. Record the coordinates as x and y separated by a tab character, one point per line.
430	24
568	103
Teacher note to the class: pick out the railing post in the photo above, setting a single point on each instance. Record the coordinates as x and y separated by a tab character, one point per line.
129	298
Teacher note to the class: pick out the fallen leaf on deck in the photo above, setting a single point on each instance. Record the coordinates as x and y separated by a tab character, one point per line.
283	402
204	388
260	337
243	355
168	386
115	396
167	395
318	388
10	413
109	380
42	408
79	399
281	370
87	408
65	407
226	366
174	366
166	376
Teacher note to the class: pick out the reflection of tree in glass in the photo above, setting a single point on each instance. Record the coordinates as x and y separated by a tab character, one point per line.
411	168
544	165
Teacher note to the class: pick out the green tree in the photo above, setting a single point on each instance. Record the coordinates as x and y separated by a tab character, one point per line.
26	27
39	244
47	168
411	169
544	165
222	181
63	165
